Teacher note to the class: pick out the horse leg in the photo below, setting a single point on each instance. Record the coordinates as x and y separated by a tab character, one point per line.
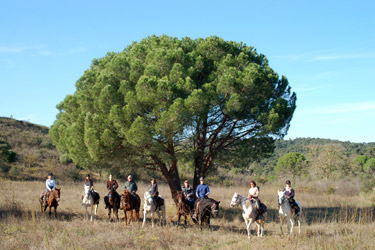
96	210
109	214
137	216
152	218
92	210
299	225
178	218
144	216
50	212
125	217
185	219
115	211
163	212
248	227
131	217
281	224
55	211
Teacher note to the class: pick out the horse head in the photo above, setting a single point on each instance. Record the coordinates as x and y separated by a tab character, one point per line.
147	197
280	197
236	199
180	197
57	194
87	191
126	199
112	195
215	208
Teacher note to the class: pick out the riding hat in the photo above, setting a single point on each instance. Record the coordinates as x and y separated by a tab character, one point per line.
88	175
287	182
201	179
50	174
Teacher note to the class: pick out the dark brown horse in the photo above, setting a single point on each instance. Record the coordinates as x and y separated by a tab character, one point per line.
129	203
183	207
113	202
53	201
207	208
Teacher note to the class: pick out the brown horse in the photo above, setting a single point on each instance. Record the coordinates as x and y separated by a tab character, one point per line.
183	208
113	202
208	208
129	203
53	201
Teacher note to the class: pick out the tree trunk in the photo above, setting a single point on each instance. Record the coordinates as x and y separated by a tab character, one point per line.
171	175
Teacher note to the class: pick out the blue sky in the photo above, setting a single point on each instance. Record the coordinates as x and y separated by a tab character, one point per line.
326	49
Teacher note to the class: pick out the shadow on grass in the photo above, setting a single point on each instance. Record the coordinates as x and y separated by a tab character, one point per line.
313	214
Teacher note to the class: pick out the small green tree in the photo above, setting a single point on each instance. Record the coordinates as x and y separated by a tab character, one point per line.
291	164
369	166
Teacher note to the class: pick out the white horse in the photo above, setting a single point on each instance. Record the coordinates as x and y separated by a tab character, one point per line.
286	213
248	213
89	201
150	206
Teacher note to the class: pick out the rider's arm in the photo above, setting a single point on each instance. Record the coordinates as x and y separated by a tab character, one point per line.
115	186
135	187
207	191
47	185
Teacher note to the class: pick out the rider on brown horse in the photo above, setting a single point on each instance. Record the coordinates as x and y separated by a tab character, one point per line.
111	183
131	186
50	186
189	194
202	193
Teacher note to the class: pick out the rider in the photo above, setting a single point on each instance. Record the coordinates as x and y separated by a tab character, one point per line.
202	193
131	186
188	193
254	196
89	183
111	183
289	195
50	186
153	189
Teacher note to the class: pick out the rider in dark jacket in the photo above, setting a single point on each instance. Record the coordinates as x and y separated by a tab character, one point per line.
111	183
188	193
289	195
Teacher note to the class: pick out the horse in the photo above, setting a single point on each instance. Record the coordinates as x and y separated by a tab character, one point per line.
129	203
113	202
150	206
208	207
248	213
183	207
285	212
90	199
53	201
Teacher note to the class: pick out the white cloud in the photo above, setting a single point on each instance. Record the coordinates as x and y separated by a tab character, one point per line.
12	49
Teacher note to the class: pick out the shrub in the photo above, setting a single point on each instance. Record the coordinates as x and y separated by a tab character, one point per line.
330	190
4	168
13	172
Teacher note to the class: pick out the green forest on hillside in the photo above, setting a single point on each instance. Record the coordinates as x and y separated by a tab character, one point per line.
27	153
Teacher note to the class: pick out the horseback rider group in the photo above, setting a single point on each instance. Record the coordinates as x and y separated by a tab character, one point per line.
201	193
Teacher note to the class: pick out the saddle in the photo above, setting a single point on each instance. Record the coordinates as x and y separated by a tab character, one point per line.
159	202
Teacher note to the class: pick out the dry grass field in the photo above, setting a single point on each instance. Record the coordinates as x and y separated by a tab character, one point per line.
330	222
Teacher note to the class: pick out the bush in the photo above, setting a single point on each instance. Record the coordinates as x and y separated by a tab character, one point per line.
4	168
330	190
13	172
65	159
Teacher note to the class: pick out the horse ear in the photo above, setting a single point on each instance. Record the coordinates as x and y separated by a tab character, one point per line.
218	202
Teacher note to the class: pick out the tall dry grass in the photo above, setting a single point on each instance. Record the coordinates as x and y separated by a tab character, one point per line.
331	222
